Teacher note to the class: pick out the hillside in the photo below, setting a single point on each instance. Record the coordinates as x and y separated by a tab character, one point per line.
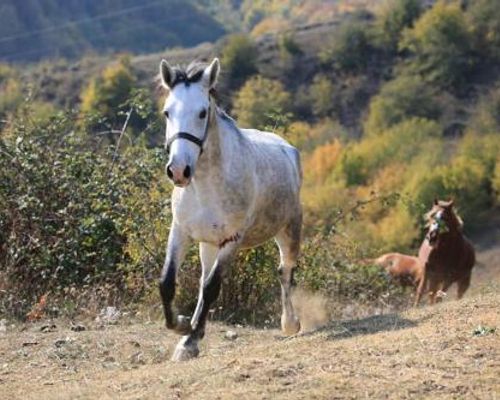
447	351
38	29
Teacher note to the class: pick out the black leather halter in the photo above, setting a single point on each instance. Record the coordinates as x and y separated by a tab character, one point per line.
187	136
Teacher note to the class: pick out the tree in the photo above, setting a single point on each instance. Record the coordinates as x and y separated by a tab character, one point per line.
260	101
441	46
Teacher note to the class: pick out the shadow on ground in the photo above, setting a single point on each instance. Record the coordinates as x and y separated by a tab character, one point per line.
363	326
367	326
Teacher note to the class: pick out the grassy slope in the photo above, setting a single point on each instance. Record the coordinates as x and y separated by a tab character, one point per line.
427	352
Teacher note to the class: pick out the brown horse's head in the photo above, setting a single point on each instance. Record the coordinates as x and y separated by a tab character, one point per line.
442	219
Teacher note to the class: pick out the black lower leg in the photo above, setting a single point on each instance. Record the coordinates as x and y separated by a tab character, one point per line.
210	293
167	291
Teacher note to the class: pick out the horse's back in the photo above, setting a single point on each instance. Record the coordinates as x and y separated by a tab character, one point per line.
271	149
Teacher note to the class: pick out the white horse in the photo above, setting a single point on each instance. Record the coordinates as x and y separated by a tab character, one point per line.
234	188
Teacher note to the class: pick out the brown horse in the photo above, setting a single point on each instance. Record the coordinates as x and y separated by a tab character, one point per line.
404	269
446	254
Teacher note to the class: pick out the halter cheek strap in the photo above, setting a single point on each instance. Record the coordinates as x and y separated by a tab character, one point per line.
187	136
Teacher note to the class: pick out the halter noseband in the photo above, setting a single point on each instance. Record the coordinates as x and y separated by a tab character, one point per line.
187	136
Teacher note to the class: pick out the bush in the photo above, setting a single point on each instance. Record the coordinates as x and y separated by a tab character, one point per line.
393	18
400	143
484	18
400	99
441	46
11	94
322	93
72	215
351	48
110	95
485	117
259	101
239	56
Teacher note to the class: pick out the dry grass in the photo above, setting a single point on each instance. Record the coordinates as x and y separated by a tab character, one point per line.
422	353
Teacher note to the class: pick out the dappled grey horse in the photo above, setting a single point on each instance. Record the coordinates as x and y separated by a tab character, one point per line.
234	189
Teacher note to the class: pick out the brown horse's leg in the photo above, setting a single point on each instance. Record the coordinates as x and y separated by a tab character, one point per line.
421	287
444	287
433	288
463	285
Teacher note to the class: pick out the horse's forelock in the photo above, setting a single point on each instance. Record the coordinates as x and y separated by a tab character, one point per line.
191	73
443	205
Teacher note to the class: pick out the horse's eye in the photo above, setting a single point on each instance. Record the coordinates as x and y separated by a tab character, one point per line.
165	113
203	114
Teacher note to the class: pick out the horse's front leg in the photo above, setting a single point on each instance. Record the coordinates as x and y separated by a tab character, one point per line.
421	286
210	286
176	250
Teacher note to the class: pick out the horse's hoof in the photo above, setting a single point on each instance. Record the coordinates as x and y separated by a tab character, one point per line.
290	326
185	350
183	326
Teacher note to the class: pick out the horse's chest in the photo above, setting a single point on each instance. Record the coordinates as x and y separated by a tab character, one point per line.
208	224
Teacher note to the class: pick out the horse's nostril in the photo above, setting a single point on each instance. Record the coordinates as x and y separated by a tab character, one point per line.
187	172
169	172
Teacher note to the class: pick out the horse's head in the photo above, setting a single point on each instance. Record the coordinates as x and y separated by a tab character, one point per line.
187	112
441	219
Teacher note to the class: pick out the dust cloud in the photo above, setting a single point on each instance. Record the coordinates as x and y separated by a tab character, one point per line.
311	308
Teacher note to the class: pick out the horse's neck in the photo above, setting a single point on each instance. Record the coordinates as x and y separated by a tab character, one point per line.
219	151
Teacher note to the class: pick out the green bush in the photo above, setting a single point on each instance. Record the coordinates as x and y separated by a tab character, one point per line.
484	18
239	56
259	101
402	98
393	18
351	47
441	46
400	143
69	213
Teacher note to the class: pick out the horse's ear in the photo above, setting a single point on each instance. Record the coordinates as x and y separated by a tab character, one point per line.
211	73
436	201
166	74
450	203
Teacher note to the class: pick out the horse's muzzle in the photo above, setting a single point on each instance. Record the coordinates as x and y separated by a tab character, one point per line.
179	176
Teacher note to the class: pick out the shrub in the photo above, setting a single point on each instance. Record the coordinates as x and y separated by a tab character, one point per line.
484	18
441	45
351	48
111	94
402	98
259	101
11	94
393	18
71	215
322	93
239	57
485	117
400	143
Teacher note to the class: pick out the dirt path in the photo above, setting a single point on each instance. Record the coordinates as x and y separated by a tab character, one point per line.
449	351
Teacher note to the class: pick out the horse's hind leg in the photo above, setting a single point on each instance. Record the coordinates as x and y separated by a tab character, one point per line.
463	285
288	241
421	287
